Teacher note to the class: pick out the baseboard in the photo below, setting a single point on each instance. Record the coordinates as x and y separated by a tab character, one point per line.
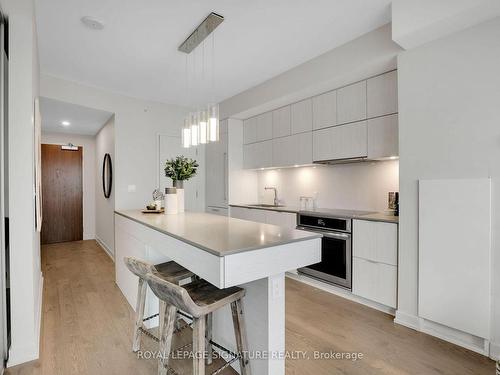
407	320
339	292
105	248
38	323
495	351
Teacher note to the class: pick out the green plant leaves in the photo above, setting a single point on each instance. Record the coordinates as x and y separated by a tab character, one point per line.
181	168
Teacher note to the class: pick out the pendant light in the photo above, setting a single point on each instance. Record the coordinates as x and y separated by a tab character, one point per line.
213	123
194	129
203	127
186	134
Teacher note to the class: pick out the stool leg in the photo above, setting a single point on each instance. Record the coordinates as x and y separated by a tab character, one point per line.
199	346
139	315
241	336
209	338
167	330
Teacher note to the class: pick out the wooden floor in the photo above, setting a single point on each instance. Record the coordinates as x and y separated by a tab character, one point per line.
87	324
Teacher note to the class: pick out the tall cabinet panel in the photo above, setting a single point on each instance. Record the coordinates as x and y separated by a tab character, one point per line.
217	171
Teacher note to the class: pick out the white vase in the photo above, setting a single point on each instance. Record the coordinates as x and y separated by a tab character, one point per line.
179	185
180	200
171	201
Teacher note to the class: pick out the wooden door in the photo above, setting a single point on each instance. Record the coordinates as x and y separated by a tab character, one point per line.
62	195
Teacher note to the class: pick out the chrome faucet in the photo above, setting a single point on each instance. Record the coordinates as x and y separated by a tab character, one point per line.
275	194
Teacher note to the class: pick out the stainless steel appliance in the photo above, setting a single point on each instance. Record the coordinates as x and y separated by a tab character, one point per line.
336	248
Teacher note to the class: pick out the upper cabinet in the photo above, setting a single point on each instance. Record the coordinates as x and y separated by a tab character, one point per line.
301	116
325	110
351	103
292	150
264	127
258	155
258	128
382	95
250	130
281	122
340	142
383	140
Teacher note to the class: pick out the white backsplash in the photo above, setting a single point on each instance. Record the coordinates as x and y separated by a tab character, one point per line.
360	186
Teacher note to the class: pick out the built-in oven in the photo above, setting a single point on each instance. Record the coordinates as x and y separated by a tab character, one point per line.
336	249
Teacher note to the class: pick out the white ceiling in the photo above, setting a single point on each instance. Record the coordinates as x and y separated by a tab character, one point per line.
136	52
83	120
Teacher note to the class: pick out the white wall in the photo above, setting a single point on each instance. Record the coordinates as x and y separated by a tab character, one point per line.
366	56
25	274
449	127
362	186
418	22
89	174
105	207
137	123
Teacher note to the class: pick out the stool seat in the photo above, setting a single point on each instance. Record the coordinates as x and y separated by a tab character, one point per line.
172	272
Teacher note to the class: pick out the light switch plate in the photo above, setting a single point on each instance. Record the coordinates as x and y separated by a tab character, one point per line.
131	188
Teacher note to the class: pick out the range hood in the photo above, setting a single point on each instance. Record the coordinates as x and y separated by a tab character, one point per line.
342	161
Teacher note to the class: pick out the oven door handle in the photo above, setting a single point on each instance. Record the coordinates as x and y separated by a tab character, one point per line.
343	236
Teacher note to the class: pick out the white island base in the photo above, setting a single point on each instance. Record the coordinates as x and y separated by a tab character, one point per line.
224	261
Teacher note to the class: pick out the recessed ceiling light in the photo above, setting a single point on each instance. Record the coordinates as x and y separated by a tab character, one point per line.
92	23
65	123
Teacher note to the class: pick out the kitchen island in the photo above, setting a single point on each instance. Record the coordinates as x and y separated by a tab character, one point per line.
226	252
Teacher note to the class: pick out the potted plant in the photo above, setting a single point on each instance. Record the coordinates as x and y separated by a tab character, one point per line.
179	170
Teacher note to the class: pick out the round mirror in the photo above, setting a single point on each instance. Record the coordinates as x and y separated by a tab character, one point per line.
107	175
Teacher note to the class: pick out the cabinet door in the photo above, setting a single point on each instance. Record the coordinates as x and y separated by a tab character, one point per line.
301	116
217	211
340	142
375	281
283	219
250	130
375	241
383	137
382	94
325	110
351	103
292	150
216	171
281	122
264	124
258	155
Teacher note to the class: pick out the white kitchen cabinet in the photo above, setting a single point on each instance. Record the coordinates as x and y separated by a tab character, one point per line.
281	122
217	210
264	127
340	142
383	137
375	281
382	95
282	219
325	110
375	260
292	150
216	177
301	116
250	130
258	155
376	241
351	103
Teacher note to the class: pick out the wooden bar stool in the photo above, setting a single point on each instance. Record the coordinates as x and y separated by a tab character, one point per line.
169	271
199	299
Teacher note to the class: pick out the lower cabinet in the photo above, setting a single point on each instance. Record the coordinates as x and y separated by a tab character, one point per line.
375	281
217	210
375	255
282	219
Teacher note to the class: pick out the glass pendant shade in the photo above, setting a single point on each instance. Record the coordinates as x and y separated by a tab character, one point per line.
213	123
203	125
194	130
186	133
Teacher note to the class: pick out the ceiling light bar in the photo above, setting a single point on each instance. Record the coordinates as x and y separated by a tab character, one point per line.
205	28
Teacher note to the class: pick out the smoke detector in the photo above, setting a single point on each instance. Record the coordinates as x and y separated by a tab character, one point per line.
92	23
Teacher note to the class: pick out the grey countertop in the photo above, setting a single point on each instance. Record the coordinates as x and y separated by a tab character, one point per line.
350	214
219	235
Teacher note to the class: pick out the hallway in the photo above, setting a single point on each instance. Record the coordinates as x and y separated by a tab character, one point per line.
87	325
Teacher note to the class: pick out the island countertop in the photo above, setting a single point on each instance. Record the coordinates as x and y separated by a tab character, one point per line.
216	234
